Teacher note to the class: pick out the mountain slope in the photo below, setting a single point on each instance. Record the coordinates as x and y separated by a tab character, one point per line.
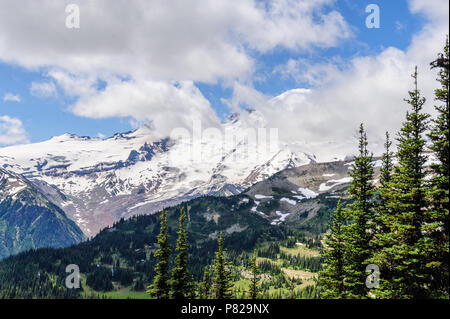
295	196
98	181
29	220
304	196
129	246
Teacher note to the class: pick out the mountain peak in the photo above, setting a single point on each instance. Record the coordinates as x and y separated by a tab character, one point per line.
138	173
248	117
68	137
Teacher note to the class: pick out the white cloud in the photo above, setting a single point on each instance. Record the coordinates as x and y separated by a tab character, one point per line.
434	10
149	54
369	89
74	85
297	25
11	131
9	97
163	40
304	71
165	105
154	44
43	89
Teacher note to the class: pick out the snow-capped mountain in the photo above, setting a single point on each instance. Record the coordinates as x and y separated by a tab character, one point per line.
98	181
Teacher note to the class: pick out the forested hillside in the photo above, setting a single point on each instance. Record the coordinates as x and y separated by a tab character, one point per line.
29	220
128	247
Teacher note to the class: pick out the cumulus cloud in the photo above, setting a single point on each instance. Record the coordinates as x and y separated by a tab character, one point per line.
141	59
323	120
297	25
9	97
314	74
164	105
43	89
165	40
148	54
11	131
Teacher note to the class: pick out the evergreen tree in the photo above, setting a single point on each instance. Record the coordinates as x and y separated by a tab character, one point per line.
438	215
361	217
161	286
383	214
181	280
223	284
387	163
331	279
254	291
205	286
404	261
382	236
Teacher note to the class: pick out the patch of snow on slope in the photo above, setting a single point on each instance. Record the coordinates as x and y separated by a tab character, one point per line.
244	200
255	210
16	190
289	201
281	219
333	182
258	196
307	192
138	205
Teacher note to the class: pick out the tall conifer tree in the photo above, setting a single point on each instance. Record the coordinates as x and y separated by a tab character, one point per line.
404	260
361	217
387	162
161	285
382	211
332	277
438	216
223	284
181	280
383	238
254	291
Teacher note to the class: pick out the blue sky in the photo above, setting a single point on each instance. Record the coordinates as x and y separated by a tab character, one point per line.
46	116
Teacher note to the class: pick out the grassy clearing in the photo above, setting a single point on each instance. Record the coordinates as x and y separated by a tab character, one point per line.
300	250
126	293
307	278
277	262
296	280
118	293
